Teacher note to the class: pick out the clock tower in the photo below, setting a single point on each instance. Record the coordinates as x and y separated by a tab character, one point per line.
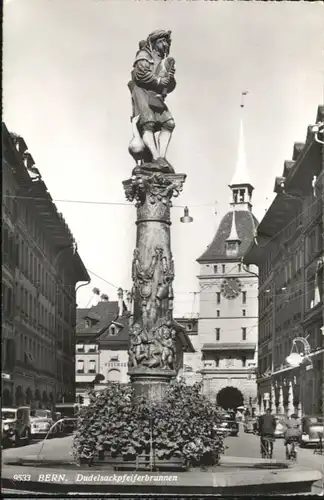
228	312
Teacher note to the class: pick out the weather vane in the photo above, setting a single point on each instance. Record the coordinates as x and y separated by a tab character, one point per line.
244	93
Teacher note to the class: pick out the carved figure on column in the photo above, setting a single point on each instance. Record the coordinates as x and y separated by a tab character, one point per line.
139	344
152	79
168	352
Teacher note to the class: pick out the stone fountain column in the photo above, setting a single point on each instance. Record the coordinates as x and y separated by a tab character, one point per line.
152	347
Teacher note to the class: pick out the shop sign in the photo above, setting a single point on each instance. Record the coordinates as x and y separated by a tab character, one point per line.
5	376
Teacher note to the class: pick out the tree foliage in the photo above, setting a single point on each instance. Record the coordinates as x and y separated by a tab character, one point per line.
182	425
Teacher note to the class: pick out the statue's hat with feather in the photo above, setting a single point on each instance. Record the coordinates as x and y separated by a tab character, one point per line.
159	34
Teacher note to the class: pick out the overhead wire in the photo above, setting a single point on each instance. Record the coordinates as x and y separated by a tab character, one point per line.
103	279
93	202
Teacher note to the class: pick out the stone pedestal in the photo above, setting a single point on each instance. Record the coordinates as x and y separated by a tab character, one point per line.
152	348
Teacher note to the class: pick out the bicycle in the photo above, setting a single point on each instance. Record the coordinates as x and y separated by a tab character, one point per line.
267	446
291	449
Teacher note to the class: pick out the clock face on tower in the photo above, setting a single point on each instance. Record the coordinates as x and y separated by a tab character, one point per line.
231	288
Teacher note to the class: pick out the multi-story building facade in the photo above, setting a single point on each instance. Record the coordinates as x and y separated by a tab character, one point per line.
288	250
228	315
40	269
102	345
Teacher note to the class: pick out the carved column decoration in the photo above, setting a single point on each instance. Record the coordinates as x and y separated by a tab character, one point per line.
152	348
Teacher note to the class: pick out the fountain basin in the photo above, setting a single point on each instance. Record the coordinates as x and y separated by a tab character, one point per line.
252	476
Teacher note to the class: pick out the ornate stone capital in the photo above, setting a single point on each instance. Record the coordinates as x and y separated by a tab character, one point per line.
153	187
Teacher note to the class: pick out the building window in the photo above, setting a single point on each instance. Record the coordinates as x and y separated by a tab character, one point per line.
243	361
217	362
80	347
217	333
243	333
242	195
230	362
87	323
218	313
80	366
92	366
243	297
215	269
231	247
223	268
218	297
92	348
239	268
112	330
243	312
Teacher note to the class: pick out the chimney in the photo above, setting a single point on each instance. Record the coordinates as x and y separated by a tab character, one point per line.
96	296
120	295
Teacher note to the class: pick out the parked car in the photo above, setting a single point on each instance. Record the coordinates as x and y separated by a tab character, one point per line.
249	425
312	429
229	423
15	426
41	423
70	412
280	425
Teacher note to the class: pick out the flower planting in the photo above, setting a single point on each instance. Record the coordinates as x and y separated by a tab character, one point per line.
180	426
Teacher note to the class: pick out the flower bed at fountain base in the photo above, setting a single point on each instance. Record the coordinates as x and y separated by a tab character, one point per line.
120	428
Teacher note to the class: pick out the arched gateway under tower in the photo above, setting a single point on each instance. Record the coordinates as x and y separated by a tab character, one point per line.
229	398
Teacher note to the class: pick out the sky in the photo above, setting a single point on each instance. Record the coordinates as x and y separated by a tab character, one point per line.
66	65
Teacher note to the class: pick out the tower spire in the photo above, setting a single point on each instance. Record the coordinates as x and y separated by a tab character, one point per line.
240	184
241	175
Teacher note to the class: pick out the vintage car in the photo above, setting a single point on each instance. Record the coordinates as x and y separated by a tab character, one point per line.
229	424
249	425
15	426
41	423
280	425
312	431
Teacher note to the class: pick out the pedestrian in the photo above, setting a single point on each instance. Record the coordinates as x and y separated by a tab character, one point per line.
267	427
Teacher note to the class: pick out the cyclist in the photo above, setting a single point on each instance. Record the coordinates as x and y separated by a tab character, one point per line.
267	427
292	433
